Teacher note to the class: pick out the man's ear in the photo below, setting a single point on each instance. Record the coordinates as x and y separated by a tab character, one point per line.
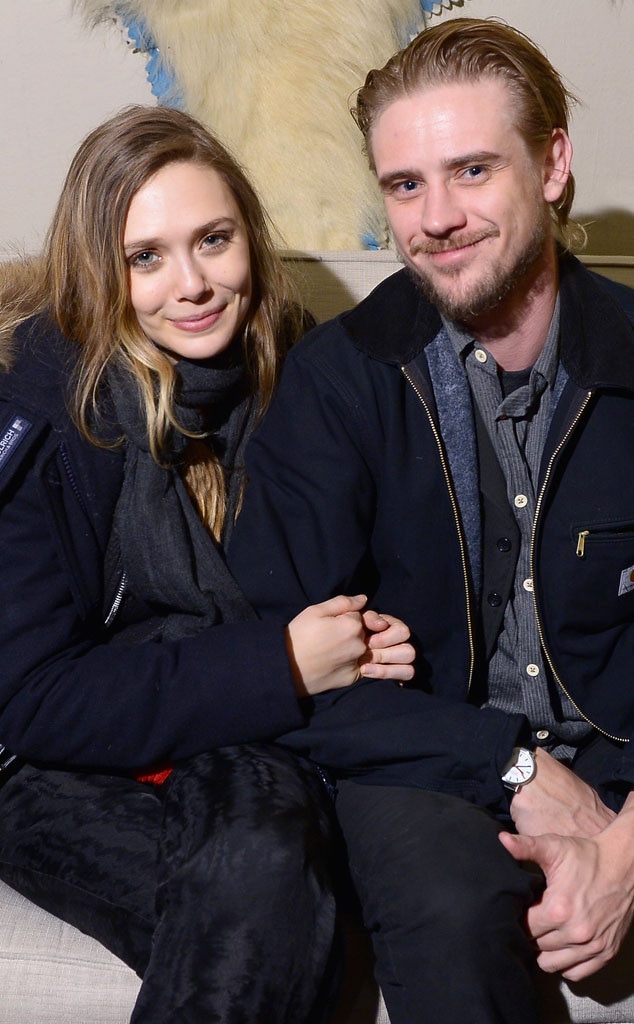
556	169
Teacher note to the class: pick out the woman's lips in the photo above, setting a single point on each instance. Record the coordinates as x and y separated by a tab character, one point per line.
198	321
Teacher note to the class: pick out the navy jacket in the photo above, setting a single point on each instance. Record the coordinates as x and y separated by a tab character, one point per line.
351	489
67	694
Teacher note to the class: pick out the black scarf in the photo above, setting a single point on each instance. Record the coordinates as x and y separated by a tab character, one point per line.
172	565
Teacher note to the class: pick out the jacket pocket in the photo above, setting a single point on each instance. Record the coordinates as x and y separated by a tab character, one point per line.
588	536
605	568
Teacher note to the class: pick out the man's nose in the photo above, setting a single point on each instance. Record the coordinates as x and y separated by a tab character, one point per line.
441	212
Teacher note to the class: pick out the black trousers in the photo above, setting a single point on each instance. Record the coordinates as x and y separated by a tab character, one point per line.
443	902
215	887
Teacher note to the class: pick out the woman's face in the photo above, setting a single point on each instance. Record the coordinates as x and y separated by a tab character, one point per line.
187	252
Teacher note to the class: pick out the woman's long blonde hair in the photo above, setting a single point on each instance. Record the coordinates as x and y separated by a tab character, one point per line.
82	279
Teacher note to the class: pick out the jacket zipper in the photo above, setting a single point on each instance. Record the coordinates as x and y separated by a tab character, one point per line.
580	551
80	498
71	478
118	598
581	543
456	515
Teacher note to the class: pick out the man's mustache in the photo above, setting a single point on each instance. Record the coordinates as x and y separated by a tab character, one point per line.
428	246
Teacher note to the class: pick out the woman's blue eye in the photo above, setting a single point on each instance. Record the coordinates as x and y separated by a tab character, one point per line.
215	240
143	259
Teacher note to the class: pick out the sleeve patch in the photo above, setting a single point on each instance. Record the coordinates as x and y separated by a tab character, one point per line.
12	436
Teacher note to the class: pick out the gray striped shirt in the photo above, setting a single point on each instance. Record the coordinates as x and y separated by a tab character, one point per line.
516	409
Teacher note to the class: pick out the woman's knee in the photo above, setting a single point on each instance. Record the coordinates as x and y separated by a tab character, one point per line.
254	817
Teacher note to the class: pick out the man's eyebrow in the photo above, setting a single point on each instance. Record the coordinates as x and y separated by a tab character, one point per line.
482	156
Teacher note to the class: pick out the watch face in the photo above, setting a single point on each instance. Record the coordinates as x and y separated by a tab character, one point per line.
522	770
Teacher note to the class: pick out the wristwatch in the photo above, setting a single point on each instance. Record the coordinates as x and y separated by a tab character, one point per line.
520	769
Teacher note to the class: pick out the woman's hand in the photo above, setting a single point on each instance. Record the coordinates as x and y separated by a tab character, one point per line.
331	645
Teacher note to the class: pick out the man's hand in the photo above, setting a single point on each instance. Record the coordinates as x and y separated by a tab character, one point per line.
556	801
388	654
580	920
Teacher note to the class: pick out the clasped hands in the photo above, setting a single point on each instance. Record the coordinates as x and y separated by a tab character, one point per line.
332	644
584	849
586	853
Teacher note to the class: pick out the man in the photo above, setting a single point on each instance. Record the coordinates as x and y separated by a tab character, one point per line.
460	448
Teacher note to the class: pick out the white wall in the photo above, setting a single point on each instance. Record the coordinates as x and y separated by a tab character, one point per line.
58	80
590	44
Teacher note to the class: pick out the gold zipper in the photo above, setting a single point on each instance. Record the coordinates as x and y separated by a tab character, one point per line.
581	540
581	543
454	506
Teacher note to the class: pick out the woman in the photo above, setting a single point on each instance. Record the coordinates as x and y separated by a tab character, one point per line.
131	664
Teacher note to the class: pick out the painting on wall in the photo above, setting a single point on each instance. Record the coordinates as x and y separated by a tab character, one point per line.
275	79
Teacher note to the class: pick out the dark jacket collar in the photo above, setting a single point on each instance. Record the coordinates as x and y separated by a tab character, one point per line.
43	364
42	377
396	322
597	338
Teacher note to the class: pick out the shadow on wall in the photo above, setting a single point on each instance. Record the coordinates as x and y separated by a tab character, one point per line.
331	282
610	232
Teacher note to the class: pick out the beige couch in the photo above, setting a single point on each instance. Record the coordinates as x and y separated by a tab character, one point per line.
52	974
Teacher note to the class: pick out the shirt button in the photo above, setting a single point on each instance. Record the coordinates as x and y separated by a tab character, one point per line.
542	734
504	544
521	501
480	355
495	600
533	670
528	585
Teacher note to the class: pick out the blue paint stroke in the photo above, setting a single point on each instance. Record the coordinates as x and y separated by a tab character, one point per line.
162	82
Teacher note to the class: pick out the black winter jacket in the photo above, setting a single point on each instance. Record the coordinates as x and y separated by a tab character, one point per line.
351	489
67	695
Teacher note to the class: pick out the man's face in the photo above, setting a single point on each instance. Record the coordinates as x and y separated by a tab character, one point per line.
466	199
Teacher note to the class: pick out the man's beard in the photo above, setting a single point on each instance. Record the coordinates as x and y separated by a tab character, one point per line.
496	284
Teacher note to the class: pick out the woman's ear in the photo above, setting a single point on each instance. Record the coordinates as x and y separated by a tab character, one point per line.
556	169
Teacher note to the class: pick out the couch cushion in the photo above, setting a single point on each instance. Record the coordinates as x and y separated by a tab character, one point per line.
606	997
50	973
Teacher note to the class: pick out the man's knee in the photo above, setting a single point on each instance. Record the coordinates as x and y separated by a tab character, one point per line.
423	859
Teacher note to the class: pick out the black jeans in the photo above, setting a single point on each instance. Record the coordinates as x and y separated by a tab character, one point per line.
443	902
214	887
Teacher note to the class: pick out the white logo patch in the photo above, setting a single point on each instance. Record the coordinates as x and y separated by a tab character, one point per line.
12	435
627	581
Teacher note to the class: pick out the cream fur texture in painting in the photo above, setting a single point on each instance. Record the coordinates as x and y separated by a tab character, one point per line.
274	79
